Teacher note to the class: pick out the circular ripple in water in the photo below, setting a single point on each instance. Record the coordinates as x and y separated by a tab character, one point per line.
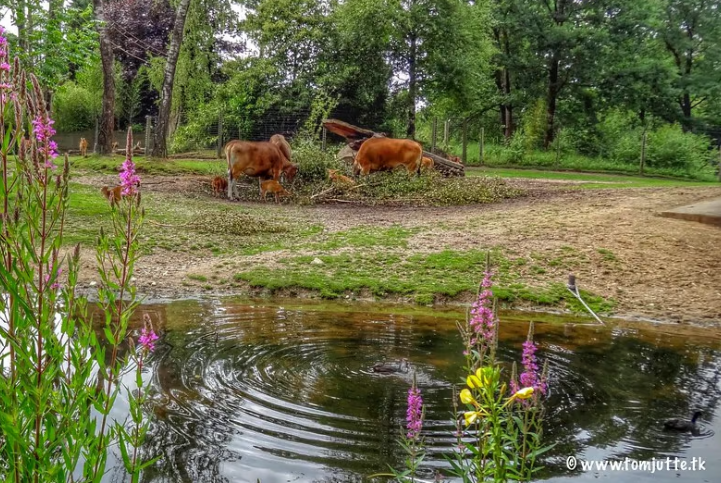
252	392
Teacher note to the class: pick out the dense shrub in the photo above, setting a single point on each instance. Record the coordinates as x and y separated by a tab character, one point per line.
74	108
313	162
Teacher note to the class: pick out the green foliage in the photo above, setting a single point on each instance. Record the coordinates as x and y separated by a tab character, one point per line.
74	108
60	376
313	163
534	126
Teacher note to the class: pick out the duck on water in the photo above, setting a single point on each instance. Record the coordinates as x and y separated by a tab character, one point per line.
391	367
683	425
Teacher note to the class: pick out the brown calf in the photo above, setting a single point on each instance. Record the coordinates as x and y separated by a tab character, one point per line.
83	147
113	195
272	186
427	164
338	178
219	185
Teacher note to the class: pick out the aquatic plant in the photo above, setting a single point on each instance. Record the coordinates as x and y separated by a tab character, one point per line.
499	434
411	439
500	439
59	378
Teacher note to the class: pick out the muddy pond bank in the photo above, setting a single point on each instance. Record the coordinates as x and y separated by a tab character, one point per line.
634	262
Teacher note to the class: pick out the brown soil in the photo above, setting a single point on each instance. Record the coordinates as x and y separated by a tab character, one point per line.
653	266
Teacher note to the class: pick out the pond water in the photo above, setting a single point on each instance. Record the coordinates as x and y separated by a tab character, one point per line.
278	392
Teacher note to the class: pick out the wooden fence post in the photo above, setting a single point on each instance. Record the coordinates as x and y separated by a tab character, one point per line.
481	142
719	162
558	148
325	133
219	146
433	134
446	129
464	141
95	141
643	153
148	129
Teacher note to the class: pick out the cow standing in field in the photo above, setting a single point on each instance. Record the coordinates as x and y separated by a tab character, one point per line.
264	160
382	154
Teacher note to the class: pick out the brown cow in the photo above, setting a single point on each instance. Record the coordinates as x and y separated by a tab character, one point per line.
83	147
219	185
272	186
427	164
258	159
379	154
280	141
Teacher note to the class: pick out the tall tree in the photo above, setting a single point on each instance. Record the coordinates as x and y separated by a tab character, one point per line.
567	36
428	34
106	124
691	31
160	144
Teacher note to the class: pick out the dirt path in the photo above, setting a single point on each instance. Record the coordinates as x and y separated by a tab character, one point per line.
652	266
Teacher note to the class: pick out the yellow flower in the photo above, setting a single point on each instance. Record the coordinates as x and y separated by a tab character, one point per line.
471	416
482	377
467	397
474	381
524	393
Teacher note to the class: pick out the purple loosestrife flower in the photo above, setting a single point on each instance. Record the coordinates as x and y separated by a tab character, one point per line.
414	415
147	338
483	320
56	284
128	179
43	130
5	66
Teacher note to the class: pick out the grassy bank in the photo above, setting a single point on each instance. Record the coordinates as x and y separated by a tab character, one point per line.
588	180
422	278
500	157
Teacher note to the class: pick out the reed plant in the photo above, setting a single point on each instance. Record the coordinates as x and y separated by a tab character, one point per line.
62	369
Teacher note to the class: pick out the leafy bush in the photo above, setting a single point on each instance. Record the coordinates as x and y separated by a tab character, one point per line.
74	108
198	133
313	162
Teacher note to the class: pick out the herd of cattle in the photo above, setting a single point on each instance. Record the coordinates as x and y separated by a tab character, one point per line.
269	160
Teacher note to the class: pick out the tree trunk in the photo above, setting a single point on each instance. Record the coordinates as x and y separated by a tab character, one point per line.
160	144
553	88
412	85
20	21
503	83
106	126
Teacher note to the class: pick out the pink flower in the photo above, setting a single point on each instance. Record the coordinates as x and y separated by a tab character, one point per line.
56	283
128	179
147	338
414	415
483	320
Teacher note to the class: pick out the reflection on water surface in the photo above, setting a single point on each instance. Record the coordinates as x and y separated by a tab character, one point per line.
256	390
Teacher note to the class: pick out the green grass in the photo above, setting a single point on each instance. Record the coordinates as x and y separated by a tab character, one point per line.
497	157
176	223
366	237
112	164
422	278
592	180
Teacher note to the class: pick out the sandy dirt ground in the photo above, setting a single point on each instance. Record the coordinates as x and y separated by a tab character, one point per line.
657	268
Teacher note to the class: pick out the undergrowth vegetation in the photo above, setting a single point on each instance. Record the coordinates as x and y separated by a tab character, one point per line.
312	184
